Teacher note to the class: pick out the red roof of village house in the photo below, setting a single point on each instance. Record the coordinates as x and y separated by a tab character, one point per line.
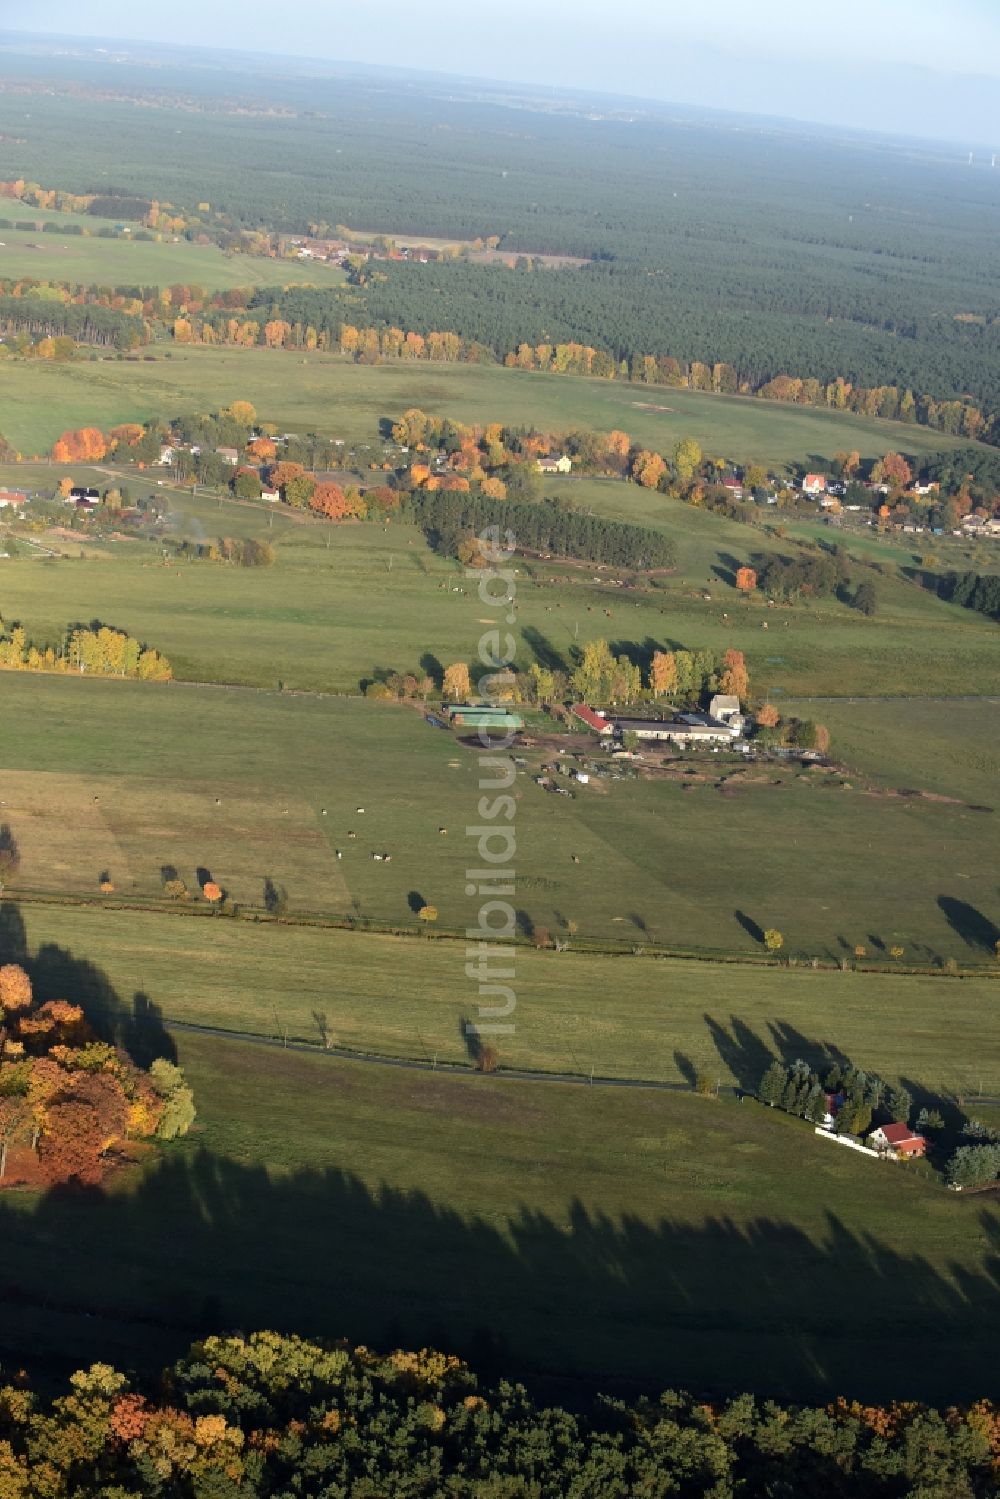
590	718
903	1138
899	1134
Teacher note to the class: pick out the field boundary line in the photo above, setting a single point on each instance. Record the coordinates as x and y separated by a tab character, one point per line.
585	947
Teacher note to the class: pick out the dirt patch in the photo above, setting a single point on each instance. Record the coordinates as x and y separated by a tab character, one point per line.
649	406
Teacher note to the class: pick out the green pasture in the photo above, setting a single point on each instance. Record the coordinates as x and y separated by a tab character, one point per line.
579	1237
325	393
124	778
576	1011
344	603
123	261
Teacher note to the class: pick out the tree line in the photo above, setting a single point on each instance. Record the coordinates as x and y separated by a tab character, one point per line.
90	650
41	318
309	318
266	1414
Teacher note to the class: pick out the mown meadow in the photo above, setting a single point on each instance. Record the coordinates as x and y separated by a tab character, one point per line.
324	392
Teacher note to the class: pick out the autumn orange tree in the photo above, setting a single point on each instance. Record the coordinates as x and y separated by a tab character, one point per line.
746	580
69	1099
735	678
86	445
457	682
663	673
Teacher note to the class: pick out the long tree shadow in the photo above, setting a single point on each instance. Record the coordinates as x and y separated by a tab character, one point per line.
709	1305
569	1296
545	653
974	928
57	973
753	929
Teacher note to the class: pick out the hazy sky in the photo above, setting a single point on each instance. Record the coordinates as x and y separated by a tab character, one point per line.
929	67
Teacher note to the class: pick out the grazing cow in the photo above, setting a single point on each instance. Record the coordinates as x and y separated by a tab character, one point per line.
352	835
443	832
359	809
339	854
378	858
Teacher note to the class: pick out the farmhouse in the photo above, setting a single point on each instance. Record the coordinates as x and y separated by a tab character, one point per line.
897	1140
270	494
725	707
12	497
733	487
554	465
230	455
814	484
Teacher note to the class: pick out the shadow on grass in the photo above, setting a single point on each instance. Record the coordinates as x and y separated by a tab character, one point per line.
568	1296
57	973
974	928
622	1303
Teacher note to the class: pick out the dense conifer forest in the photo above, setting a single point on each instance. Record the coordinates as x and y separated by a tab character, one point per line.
768	247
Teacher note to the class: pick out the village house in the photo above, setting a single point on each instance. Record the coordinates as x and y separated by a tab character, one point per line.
897	1140
230	455
814	484
554	465
12	497
733	487
270	494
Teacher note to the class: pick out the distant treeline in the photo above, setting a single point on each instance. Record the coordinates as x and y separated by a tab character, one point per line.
537	336
450	519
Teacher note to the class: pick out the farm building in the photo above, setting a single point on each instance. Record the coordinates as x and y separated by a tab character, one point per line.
897	1140
12	497
230	455
685	730
596	721
725	708
814	484
554	465
486	718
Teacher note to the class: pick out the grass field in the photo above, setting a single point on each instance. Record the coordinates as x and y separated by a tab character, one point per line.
342	604
327	394
629	1016
50	256
125	778
581	1237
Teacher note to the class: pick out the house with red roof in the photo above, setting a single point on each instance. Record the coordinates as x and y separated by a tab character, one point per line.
897	1140
814	484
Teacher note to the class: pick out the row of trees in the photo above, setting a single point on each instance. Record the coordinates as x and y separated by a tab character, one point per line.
265	1414
238	552
452	522
70	1100
858	1094
95	650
